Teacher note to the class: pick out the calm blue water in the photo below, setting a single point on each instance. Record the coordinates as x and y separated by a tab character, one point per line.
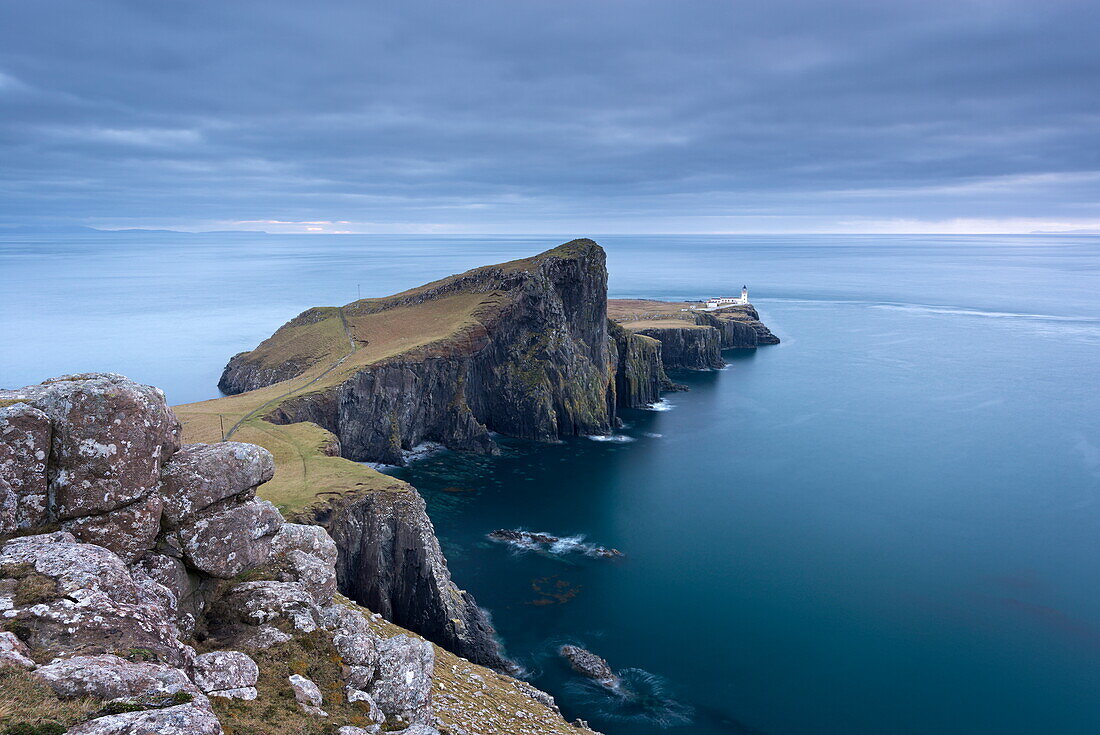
887	524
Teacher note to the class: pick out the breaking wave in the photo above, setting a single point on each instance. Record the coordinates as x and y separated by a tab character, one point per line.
616	438
661	405
560	546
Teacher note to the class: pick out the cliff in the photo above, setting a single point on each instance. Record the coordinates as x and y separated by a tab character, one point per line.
156	594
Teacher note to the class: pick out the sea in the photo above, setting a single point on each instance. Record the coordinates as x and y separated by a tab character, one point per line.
888	523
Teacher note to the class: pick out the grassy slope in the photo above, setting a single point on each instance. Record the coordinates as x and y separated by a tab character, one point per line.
304	472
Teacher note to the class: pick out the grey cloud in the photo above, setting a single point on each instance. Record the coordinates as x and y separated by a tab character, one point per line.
502	114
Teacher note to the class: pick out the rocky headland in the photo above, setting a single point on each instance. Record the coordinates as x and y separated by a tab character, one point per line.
257	533
145	589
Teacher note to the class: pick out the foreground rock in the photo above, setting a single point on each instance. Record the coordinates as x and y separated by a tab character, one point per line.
108	611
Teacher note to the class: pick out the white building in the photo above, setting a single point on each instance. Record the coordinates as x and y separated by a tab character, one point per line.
719	302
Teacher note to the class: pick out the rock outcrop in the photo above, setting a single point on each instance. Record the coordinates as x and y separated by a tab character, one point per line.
639	368
181	618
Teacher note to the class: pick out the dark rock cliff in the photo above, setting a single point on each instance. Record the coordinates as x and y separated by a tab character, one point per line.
740	326
690	347
639	371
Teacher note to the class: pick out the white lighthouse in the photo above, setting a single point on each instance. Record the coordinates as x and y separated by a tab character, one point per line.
744	294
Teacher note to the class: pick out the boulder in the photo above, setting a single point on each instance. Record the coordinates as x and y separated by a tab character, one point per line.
256	603
307	694
200	475
24	448
403	684
231	540
246	693
263	636
106	676
193	718
128	531
88	622
170	574
306	554
13	652
109	438
352	730
342	619
221	671
357	649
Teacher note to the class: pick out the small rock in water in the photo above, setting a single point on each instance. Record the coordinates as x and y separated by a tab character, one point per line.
535	541
588	664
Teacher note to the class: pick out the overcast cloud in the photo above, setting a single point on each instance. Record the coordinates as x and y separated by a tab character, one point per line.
551	116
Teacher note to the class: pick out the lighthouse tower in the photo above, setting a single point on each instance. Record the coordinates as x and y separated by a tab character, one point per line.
744	294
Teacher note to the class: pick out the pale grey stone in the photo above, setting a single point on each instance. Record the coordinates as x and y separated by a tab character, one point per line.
220	670
13	652
200	475
106	676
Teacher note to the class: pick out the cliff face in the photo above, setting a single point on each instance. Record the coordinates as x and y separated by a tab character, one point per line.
527	355
740	326
390	561
688	347
639	370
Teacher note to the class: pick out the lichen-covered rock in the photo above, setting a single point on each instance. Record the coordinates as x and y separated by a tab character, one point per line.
89	622
307	694
171	574
307	555
24	448
342	619
200	475
256	603
230	540
262	636
193	718
9	507
403	684
128	531
13	652
86	601
221	670
364	700
72	565
110	436
106	676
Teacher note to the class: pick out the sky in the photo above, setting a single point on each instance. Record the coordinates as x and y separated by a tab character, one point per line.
551	116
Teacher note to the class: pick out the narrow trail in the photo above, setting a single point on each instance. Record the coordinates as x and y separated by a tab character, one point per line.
254	412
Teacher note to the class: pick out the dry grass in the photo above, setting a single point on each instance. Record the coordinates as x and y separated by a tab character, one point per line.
626	310
636	325
27	699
